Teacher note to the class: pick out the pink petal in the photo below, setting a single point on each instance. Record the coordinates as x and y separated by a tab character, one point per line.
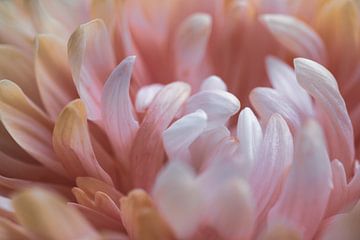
147	159
309	184
272	163
117	110
296	36
91	59
283	79
321	84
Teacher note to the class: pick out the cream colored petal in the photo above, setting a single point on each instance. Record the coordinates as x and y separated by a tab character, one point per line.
48	217
53	73
141	219
71	141
28	125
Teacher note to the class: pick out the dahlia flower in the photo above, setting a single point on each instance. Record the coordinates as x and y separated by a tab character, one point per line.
121	119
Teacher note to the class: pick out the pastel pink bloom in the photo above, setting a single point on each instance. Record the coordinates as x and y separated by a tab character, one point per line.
135	119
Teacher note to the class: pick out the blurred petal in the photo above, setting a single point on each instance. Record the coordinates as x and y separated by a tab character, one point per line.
213	83
53	74
10	230
48	217
141	219
146	95
176	186
295	35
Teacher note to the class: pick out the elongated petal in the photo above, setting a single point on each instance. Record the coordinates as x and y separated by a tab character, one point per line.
10	230
250	135
178	137
91	59
71	141
27	125
147	159
272	163
184	220
48	217
117	109
191	43
309	184
320	84
53	74
218	105
295	35
283	79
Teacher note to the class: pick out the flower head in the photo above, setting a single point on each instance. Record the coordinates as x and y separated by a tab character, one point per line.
130	112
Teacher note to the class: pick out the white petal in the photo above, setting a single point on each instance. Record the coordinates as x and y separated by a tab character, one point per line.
177	195
213	83
145	96
218	105
178	137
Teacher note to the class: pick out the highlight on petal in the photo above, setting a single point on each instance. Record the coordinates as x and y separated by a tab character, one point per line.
250	135
71	140
176	186
321	85
53	73
178	137
141	218
48	217
213	83
91	59
308	184
296	36
28	125
146	95
218	105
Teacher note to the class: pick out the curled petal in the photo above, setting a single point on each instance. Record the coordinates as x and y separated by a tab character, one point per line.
117	109
321	84
213	83
178	137
71	140
146	95
295	35
91	59
28	125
